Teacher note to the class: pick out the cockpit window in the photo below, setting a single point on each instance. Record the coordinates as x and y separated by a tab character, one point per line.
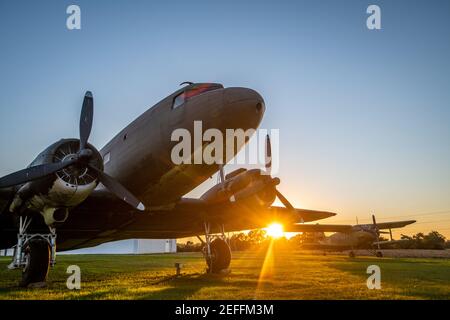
179	100
193	91
197	89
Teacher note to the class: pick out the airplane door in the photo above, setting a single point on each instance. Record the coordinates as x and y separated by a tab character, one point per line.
167	249
178	110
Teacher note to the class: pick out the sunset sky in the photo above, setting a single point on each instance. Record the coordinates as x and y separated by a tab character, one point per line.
364	116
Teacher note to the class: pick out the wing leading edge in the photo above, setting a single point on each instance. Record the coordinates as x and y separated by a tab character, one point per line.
102	218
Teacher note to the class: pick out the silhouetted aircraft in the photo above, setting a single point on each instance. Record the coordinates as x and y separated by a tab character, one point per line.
132	189
348	237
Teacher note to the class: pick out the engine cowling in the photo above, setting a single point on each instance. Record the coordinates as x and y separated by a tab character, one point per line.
53	195
250	187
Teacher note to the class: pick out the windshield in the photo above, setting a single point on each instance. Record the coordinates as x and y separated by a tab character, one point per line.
193	91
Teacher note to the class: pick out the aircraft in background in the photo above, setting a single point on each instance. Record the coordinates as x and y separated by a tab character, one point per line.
132	189
349	237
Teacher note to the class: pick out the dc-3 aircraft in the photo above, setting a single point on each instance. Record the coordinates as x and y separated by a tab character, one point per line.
349	237
132	189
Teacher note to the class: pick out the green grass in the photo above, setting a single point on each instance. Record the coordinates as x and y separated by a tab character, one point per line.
287	276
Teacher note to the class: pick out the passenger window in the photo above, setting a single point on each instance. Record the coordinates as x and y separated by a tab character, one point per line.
106	158
179	100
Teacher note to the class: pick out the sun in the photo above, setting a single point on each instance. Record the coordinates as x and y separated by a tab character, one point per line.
275	230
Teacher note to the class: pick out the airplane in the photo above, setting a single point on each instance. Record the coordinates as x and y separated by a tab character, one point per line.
348	237
74	196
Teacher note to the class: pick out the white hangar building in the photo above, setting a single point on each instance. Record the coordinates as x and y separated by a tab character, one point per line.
132	246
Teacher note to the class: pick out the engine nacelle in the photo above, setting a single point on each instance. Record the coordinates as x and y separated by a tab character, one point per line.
251	187
53	195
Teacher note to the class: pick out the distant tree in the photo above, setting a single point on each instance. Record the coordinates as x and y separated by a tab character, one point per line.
189	246
419	236
306	237
407	243
434	240
447	244
257	236
296	240
239	241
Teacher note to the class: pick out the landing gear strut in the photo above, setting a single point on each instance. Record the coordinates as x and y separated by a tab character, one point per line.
34	253
216	251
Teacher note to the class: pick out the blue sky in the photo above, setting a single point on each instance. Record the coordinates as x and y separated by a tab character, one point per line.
363	115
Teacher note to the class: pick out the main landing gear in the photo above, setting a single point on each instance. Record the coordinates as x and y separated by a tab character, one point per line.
216	251
34	254
378	253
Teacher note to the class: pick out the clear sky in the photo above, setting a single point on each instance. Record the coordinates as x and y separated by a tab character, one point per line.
364	116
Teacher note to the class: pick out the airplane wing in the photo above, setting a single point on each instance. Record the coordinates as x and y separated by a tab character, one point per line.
318	228
343	228
103	218
395	224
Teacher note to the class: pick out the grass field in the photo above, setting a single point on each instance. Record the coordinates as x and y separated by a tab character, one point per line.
281	275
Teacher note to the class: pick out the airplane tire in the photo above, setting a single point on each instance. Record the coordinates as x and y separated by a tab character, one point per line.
220	256
38	256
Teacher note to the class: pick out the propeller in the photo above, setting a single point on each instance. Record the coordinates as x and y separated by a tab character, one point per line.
268	166
377	231
33	173
81	158
87	115
119	190
268	161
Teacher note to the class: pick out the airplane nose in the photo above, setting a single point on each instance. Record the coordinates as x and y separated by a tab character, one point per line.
245	98
239	94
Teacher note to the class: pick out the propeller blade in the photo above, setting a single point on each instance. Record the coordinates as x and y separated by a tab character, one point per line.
286	203
377	231
119	190
268	155
33	173
374	222
87	114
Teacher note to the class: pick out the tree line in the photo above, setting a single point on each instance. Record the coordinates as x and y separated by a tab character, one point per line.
258	238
